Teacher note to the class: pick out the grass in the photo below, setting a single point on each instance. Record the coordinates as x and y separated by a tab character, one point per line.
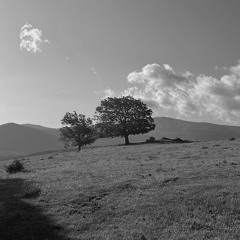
136	192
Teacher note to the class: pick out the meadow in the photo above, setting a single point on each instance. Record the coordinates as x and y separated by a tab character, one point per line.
136	192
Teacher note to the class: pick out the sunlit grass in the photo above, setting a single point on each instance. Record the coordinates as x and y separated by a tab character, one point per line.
149	191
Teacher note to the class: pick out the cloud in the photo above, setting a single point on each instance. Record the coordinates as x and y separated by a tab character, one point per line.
31	39
109	93
187	95
93	71
235	69
221	68
152	72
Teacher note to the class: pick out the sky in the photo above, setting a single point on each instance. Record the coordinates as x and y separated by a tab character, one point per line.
179	57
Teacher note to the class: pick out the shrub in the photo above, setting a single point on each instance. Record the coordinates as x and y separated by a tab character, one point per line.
14	167
151	139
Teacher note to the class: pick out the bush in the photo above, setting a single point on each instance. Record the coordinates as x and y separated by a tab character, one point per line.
14	167
151	139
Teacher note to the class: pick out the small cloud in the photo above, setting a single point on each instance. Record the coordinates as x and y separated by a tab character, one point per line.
93	70
109	93
67	58
31	39
187	74
221	68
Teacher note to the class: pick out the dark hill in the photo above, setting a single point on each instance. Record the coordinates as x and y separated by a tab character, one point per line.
52	131
195	131
18	140
175	128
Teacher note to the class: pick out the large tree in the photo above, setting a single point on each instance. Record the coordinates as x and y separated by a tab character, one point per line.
77	130
123	116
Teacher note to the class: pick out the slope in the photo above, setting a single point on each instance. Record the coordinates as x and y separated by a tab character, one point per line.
52	131
196	131
17	140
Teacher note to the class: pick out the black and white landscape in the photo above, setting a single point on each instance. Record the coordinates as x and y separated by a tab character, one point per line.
119	119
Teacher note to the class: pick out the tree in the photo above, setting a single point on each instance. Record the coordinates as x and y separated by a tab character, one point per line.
123	116
77	130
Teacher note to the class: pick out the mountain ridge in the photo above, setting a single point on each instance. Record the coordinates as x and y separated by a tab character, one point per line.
195	131
52	131
17	140
22	139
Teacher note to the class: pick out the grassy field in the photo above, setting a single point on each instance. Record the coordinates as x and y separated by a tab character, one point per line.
136	192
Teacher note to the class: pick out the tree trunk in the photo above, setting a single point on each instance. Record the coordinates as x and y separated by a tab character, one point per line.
126	140
79	148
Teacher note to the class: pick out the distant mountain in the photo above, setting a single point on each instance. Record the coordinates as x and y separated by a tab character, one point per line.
17	140
52	131
99	142
195	131
175	128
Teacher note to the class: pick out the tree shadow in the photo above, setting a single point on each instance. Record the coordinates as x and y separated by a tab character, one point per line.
20	220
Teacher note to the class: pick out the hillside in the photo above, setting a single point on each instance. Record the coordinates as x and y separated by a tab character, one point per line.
52	131
137	192
172	128
195	131
175	128
19	140
28	138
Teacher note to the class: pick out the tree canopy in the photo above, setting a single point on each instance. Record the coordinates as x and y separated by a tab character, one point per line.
77	130
123	116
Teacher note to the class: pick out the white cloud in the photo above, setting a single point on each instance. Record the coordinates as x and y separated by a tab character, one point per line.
106	93
235	69
31	39
221	68
186	95
109	93
93	71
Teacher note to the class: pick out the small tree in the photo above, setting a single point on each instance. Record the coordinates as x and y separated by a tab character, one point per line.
77	130
123	116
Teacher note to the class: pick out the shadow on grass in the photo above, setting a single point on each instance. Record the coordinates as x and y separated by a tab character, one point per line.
155	142
20	220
